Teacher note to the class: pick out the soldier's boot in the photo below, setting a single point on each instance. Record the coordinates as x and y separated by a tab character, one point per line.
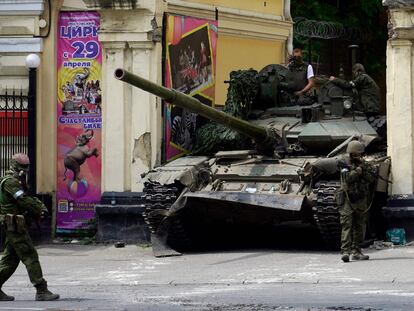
5	297
345	257
43	294
359	256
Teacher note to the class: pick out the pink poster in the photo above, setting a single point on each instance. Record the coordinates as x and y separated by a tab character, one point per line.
79	121
189	68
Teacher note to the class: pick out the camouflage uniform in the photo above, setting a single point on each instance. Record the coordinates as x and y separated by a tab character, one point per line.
356	182
368	99
16	211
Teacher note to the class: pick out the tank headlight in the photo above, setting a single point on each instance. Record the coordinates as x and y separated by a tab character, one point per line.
347	104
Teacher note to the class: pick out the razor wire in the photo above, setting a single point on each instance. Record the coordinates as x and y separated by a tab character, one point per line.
324	30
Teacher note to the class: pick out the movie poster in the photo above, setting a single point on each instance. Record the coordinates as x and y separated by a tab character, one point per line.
189	68
79	121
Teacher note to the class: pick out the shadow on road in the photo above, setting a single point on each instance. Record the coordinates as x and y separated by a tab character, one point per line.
388	258
287	237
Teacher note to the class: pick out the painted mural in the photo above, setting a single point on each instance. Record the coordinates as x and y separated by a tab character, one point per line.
189	68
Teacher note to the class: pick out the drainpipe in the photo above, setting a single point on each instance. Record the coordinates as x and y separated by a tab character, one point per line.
286	15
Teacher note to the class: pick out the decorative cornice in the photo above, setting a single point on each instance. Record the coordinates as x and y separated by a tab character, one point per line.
398	3
403	33
120	4
236	22
21	45
21	7
401	43
400	25
109	45
112	4
111	37
141	45
175	6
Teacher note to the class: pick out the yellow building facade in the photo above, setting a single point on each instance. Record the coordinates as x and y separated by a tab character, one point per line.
251	34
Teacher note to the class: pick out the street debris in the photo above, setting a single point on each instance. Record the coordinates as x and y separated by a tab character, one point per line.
378	245
119	244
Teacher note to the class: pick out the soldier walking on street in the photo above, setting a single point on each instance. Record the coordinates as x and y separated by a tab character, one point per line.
357	177
16	211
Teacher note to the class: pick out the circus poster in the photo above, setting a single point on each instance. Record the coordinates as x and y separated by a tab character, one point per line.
79	121
189	68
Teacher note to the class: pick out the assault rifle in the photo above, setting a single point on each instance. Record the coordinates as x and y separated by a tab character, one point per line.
342	164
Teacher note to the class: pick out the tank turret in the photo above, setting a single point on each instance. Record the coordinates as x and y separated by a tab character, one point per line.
266	138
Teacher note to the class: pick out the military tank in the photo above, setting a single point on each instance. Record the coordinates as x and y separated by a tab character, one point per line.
285	176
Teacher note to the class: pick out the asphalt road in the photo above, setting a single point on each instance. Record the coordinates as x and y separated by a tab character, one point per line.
130	278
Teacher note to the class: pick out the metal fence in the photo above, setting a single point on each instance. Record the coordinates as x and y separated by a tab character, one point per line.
13	126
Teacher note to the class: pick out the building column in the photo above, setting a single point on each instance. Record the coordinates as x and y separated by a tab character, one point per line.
113	119
400	115
145	112
400	87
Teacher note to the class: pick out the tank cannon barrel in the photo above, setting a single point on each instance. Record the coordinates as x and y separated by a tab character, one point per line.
257	133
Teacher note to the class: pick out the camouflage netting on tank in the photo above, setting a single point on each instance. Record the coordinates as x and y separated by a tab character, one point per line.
242	91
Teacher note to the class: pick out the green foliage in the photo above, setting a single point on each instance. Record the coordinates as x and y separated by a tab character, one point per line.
244	86
318	10
366	16
213	137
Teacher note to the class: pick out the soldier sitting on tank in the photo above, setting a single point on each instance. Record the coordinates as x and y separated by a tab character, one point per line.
357	178
299	80
368	93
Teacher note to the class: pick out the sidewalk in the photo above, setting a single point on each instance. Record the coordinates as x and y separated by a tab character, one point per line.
84	275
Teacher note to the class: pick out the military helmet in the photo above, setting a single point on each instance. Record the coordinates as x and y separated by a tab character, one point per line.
358	69
355	147
19	162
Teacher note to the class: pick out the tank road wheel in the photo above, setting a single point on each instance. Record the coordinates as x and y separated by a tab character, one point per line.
326	213
178	237
379	123
158	201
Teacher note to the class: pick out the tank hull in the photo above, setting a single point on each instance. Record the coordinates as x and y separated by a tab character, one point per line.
239	194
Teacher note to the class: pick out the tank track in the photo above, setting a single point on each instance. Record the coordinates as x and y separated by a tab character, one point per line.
379	123
158	199
326	213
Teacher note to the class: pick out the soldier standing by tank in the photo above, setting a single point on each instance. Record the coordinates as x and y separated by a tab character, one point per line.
16	211
368	99
357	177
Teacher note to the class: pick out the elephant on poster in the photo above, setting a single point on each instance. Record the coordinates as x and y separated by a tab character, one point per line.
78	155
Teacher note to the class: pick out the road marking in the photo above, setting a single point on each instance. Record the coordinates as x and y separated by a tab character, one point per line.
386	292
17	308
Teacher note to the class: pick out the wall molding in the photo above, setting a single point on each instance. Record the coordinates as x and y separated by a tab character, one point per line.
21	7
21	45
236	22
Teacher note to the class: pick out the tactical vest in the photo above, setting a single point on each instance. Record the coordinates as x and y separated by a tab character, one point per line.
5	205
297	77
359	189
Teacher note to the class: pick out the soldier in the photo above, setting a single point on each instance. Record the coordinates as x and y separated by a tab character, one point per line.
305	77
368	99
299	79
16	210
357	176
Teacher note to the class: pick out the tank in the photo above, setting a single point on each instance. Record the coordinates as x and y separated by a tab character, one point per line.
290	173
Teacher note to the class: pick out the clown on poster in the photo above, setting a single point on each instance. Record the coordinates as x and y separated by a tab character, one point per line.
79	121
